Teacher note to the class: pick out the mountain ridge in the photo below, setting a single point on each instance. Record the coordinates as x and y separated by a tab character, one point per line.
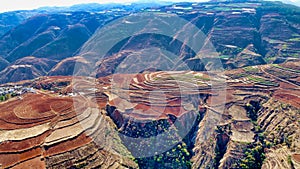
151	100
270	28
257	127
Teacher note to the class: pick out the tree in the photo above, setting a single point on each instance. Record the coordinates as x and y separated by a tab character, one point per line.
2	98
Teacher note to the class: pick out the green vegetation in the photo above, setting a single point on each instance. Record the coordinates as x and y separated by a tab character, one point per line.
222	8
291	12
177	157
78	166
284	68
285	46
280	135
6	96
202	78
269	144
183	77
270	59
217	29
256	79
231	51
288	141
295	40
224	56
2	98
254	157
251	69
272	41
290	162
222	141
255	152
180	77
262	81
240	75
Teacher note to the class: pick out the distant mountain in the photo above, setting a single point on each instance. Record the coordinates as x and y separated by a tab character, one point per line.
243	34
53	36
294	2
9	20
26	68
3	63
66	66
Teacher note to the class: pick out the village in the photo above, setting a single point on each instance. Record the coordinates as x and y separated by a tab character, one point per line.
7	92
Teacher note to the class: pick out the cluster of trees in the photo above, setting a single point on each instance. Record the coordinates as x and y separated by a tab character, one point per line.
252	108
255	152
254	157
6	96
177	157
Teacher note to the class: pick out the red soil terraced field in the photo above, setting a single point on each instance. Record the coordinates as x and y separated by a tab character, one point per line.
68	122
297	157
38	128
31	110
287	93
157	95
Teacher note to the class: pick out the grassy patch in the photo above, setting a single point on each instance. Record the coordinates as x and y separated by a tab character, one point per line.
251	69
201	78
273	41
262	81
222	9
183	78
224	57
218	29
290	161
270	59
284	68
294	40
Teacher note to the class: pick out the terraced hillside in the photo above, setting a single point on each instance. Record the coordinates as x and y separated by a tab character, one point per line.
243	118
42	130
243	33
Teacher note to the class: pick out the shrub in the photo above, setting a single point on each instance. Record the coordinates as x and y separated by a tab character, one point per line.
2	98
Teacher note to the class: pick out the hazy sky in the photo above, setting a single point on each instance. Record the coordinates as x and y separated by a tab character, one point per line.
10	5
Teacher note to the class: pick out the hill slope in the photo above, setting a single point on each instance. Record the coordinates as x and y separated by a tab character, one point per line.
243	33
251	121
